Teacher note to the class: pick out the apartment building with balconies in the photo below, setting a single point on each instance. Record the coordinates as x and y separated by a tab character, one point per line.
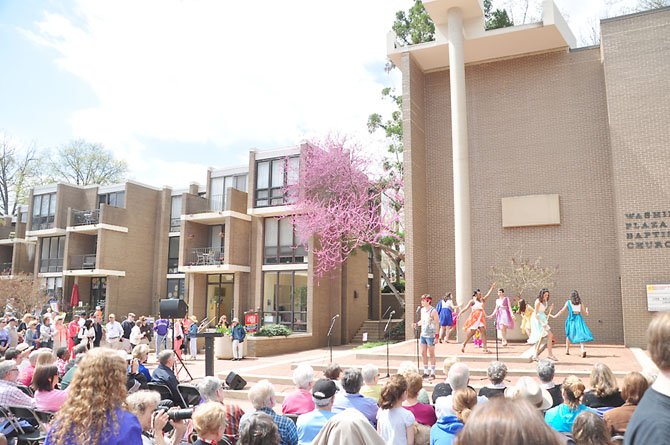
17	254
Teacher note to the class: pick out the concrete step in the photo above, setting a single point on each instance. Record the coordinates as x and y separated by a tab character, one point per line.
366	355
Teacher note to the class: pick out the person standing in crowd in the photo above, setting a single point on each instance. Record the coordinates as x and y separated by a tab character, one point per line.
161	327
477	320
87	334
650	423
94	412
394	423
526	312
429	322
73	332
23	326
4	336
13	332
223	321
546	371
62	359
127	325
47	332
192	337
446	311
146	330
114	333
239	334
60	333
97	328
576	331
311	423
503	315
540	330
136	335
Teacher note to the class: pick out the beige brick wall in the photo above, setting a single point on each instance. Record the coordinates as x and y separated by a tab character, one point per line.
537	125
236	243
636	52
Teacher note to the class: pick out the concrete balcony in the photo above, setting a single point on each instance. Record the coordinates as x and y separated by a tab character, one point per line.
87	266
210	260
91	221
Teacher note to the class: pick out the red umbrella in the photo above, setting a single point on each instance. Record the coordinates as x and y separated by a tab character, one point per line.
74	298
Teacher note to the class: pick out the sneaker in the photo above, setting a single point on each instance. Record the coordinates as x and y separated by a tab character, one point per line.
425	376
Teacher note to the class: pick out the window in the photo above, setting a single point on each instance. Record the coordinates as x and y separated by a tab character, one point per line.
52	254
55	288
175	214
285	299
175	288
116	199
217	235
98	292
44	211
281	243
218	187
272	176
173	255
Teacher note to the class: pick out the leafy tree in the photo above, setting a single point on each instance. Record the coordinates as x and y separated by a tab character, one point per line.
17	175
414	26
643	5
83	163
498	18
519	274
22	293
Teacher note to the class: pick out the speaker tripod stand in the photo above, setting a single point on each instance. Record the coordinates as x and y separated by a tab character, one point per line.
179	362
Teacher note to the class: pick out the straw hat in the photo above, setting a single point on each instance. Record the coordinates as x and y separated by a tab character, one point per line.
530	390
193	318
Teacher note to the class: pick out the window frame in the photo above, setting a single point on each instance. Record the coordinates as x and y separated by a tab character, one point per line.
274	195
279	316
181	283
107	198
41	220
295	247
173	261
47	262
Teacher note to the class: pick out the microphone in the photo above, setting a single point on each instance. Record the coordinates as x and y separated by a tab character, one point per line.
392	312
336	316
418	309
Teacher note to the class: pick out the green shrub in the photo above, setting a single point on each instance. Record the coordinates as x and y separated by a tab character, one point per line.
274	330
400	287
398	332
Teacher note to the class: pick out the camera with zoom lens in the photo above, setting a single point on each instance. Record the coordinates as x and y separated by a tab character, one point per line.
180	414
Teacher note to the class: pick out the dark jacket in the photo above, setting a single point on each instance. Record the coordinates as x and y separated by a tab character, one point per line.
97	328
238	333
165	376
127	326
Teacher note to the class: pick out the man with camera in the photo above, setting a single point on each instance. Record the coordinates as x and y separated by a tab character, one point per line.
157	419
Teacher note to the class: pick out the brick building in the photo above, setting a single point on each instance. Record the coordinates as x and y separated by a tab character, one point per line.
225	248
567	153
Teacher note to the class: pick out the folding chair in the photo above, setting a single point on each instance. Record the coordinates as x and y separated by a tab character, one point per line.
166	394
27	390
16	414
190	394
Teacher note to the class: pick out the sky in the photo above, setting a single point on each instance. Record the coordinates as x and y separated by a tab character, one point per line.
176	86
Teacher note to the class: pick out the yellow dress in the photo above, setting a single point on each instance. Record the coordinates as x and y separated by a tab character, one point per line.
525	320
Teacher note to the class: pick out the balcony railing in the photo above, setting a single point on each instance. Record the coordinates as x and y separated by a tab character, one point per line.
5	268
204	256
175	224
82	262
43	222
85	217
51	265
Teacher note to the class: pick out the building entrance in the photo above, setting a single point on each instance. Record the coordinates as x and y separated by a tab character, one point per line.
220	288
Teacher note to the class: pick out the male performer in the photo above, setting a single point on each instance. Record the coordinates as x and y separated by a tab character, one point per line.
429	323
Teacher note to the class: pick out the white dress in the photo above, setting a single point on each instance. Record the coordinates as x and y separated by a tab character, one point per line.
392	425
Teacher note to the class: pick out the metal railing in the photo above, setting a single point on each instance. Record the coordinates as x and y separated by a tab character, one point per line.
83	262
216	203
51	265
203	256
5	268
175	224
85	217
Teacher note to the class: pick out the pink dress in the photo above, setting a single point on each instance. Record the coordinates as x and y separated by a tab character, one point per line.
50	400
503	313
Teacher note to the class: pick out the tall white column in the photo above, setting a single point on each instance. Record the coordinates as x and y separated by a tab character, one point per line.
459	142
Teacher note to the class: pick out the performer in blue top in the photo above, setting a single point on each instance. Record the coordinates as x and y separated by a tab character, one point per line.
576	331
447	313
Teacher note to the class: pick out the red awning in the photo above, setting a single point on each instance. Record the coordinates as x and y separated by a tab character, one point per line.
74	298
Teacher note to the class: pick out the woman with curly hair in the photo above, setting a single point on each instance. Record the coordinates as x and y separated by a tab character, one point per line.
94	412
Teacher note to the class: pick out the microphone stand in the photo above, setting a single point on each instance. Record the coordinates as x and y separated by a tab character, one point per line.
388	337
416	334
330	334
495	330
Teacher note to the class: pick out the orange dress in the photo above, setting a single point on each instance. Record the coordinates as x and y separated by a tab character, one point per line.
477	317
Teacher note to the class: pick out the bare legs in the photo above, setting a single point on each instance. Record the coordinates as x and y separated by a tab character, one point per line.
581	348
503	334
471	333
424	355
428	351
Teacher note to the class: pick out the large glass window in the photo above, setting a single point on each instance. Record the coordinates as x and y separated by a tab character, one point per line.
116	199
55	288
44	211
220	288
52	254
281	243
175	214
98	292
285	299
175	288
173	255
272	176
218	186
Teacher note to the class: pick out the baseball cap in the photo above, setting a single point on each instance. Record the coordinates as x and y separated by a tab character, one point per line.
324	389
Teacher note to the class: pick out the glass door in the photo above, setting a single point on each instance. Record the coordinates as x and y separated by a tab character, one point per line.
220	288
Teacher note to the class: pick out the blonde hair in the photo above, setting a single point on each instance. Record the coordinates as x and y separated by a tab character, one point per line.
603	381
414	384
209	418
634	387
463	401
261	394
140	401
141	351
573	389
659	340
45	357
97	390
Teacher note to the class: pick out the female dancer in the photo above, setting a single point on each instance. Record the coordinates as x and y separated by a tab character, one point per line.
526	313
477	320
576	330
540	326
446	311
503	314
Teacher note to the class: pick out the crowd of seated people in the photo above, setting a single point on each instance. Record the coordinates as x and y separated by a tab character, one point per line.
106	401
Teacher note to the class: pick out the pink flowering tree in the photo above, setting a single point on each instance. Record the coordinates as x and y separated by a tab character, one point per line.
342	207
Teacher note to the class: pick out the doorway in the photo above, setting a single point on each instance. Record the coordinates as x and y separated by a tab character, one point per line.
220	288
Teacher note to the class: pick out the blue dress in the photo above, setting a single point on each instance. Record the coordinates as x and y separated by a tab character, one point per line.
445	314
575	327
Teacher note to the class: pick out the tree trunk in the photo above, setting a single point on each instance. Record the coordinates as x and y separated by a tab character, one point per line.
386	278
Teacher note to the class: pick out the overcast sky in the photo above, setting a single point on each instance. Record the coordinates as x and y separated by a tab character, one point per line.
175	86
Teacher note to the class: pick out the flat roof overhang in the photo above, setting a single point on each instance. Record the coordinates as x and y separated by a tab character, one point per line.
215	268
94	273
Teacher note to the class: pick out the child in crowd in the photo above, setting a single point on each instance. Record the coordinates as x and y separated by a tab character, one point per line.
394	423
